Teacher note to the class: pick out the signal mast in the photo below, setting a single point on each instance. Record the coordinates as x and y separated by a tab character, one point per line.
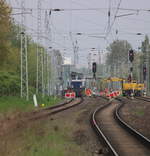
131	58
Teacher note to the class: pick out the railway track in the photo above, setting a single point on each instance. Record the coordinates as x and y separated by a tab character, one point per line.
55	109
147	99
117	135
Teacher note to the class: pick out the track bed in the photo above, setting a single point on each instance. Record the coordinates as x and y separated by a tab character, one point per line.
124	143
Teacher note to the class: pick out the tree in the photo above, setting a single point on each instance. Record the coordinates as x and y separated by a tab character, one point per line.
117	58
145	61
5	28
10	56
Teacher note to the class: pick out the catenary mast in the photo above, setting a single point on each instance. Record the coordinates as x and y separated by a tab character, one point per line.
24	58
39	79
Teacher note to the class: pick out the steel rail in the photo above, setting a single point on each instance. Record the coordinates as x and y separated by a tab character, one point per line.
143	99
53	107
127	127
145	141
56	109
99	132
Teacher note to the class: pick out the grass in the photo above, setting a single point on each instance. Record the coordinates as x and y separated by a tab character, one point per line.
139	112
13	103
44	139
48	101
47	137
50	144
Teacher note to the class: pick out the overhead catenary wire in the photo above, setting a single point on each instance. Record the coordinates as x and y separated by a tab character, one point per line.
84	9
60	33
86	5
113	22
109	15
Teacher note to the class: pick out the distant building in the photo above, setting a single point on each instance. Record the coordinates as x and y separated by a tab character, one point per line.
66	74
98	57
67	61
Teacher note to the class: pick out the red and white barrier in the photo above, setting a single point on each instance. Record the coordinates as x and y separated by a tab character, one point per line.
88	92
70	95
113	94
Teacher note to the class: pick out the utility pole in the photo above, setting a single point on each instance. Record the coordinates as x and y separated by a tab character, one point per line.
24	57
147	68
76	53
46	77
47	55
89	63
75	50
39	80
99	57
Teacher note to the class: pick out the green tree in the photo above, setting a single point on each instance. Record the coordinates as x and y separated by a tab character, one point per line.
137	66
145	60
117	58
5	28
10	54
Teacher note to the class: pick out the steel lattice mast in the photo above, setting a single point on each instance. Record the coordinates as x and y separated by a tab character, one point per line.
147	59
40	66
75	50
47	55
24	58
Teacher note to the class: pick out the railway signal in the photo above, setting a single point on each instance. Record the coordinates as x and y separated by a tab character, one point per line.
131	69
144	73
131	55
94	65
129	78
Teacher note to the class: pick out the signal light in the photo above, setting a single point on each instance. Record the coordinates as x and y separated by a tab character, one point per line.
131	55
144	73
131	69
129	78
94	67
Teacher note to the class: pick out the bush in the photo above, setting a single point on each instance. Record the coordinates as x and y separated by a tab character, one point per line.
9	84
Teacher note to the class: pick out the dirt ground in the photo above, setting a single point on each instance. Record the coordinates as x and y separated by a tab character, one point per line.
73	126
82	133
16	120
137	114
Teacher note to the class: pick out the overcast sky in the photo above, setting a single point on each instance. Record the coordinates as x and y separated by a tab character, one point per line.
91	23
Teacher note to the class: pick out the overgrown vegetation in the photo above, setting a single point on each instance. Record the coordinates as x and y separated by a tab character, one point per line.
14	103
10	55
9	84
117	59
51	137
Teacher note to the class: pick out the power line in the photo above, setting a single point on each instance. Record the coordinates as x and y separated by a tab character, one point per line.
85	5
20	13
109	15
113	22
84	9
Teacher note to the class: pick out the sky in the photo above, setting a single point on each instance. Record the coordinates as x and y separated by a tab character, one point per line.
90	18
